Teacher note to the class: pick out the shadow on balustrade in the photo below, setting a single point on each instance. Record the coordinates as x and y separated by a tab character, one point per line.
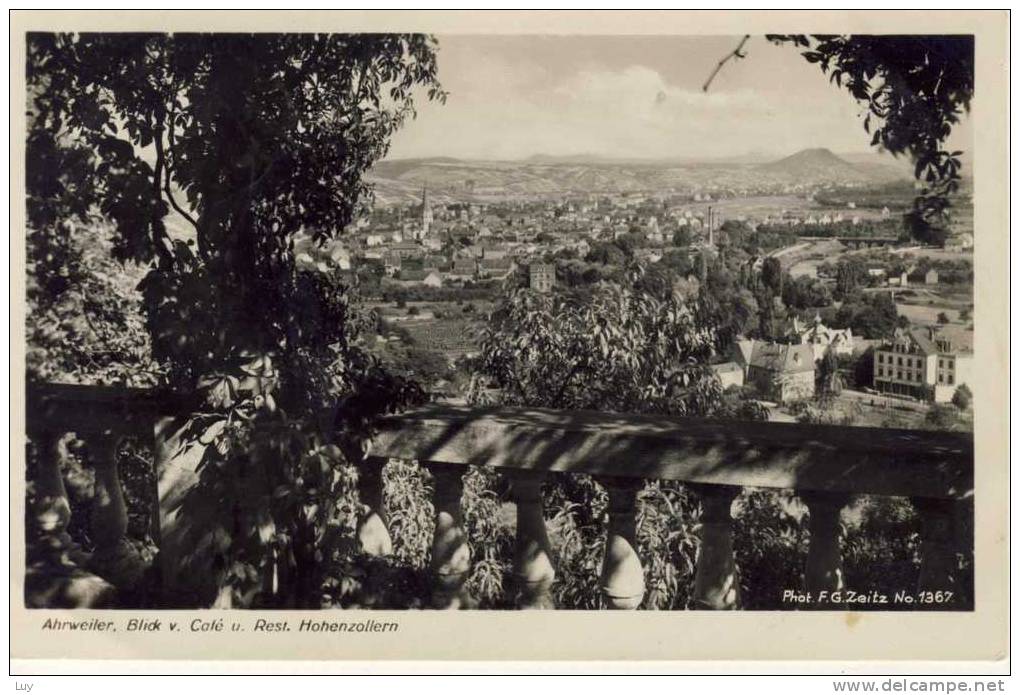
834	458
718	457
825	465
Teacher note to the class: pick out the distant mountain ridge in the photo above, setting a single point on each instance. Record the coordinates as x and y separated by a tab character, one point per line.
461	180
817	162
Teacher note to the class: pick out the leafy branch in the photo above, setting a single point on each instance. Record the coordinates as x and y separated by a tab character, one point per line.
915	90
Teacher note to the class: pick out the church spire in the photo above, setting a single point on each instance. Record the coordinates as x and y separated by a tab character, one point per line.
426	211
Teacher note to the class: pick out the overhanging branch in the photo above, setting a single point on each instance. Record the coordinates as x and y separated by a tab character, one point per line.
735	53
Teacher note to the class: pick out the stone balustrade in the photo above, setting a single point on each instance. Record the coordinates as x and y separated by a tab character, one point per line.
826	465
60	573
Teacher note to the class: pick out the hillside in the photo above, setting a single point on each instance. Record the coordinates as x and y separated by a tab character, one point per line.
455	180
818	165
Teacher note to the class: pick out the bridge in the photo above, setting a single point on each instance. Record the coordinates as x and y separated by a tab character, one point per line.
856	242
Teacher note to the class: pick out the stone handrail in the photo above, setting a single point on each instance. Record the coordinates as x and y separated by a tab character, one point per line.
824	464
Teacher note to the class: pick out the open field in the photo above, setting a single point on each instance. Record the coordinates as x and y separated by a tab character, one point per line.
453	337
805	260
391	312
922	315
935	254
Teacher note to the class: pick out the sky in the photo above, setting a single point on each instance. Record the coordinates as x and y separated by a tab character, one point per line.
511	97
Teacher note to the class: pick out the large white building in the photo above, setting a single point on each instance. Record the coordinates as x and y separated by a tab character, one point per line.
922	363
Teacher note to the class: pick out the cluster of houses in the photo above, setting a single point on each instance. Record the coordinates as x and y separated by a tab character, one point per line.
822	220
435	270
926	363
524	229
905	278
465	246
784	371
473	243
453	243
415	253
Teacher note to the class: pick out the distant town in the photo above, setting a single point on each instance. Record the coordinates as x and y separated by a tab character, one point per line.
895	315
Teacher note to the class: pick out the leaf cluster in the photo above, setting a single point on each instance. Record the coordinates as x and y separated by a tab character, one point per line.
914	89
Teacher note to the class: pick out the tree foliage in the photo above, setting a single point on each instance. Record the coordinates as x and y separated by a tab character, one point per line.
806	292
247	138
962	397
84	322
772	276
623	351
829	381
915	90
871	316
850	275
634	346
208	153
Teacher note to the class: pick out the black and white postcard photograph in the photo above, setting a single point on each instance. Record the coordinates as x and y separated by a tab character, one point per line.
355	335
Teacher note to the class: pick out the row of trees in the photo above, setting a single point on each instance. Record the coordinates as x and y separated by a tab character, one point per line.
844	228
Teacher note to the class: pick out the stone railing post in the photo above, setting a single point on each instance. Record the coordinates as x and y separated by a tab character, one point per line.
938	544
373	525
623	579
114	558
824	568
533	564
451	555
55	576
51	512
716	582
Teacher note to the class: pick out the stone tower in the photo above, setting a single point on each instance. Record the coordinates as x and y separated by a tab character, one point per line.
426	212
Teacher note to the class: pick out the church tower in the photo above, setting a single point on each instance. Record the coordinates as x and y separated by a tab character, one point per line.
426	212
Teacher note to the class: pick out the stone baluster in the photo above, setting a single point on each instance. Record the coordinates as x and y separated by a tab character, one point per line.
114	558
373	526
623	579
938	544
51	512
716	582
824	568
55	576
533	566
451	555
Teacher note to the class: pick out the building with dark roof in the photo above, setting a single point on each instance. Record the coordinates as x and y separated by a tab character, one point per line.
496	268
780	372
407	249
463	269
820	337
430	278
